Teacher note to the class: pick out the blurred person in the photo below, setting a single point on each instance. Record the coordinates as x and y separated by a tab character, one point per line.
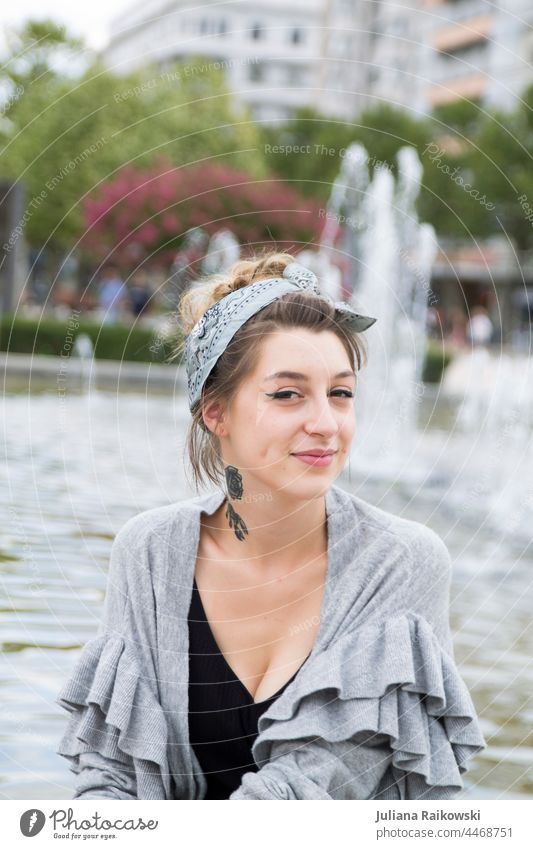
31	306
434	322
140	291
479	329
194	243
112	294
457	334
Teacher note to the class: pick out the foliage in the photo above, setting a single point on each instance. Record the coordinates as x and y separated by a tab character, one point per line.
477	174
311	146
436	360
503	165
62	137
37	49
145	212
110	341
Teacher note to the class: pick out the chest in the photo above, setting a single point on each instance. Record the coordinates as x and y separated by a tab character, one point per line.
265	624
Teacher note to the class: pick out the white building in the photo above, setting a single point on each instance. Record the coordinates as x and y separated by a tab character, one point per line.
431	52
339	56
277	57
479	50
398	56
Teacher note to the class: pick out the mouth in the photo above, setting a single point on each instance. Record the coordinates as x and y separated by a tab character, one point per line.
318	459
314	453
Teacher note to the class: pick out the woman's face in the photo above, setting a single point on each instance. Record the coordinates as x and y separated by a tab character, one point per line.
272	418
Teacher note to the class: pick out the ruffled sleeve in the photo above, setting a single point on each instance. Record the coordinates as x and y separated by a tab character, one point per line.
115	715
116	737
382	713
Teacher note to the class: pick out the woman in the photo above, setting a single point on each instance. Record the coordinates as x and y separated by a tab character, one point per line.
286	639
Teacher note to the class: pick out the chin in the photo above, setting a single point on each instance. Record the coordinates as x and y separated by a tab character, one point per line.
305	487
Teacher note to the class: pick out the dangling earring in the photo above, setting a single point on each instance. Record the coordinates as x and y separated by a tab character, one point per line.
234	484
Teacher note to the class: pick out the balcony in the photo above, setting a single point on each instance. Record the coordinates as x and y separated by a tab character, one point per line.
463	34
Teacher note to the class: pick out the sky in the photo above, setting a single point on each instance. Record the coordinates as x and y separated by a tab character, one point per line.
90	19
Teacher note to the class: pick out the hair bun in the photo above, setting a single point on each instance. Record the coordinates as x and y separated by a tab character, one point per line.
207	291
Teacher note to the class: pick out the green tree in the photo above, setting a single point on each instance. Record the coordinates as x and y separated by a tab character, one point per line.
459	119
318	143
460	145
34	51
306	149
66	135
503	165
383	130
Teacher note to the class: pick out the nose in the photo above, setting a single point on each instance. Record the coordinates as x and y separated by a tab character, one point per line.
322	419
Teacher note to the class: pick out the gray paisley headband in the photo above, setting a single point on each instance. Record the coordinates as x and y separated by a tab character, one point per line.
210	335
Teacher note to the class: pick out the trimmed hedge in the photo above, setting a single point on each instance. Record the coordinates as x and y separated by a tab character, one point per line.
437	358
56	337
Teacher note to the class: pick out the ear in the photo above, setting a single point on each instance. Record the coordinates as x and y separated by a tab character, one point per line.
214	418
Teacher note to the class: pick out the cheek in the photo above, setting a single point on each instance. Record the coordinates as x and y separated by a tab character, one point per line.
262	417
271	436
271	423
348	425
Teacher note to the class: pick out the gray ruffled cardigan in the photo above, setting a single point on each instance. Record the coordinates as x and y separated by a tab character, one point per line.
378	711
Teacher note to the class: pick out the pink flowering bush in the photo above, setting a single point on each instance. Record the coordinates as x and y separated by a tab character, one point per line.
145	213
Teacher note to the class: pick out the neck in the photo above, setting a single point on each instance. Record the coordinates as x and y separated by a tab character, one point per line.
274	533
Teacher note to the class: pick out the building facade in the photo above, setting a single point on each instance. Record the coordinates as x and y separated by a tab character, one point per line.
273	54
479	50
339	56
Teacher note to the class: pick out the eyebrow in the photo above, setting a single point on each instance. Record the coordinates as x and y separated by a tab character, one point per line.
296	375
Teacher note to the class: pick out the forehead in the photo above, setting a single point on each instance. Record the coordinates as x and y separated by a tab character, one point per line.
302	351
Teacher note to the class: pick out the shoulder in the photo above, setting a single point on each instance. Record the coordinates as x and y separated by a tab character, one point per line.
382	531
153	530
400	566
142	526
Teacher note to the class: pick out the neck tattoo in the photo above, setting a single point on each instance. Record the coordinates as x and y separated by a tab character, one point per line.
234	484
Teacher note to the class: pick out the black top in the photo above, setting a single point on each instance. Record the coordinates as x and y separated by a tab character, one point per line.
222	714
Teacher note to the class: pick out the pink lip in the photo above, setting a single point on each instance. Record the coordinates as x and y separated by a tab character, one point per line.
315	459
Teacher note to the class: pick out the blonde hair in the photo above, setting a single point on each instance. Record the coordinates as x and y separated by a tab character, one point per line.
301	309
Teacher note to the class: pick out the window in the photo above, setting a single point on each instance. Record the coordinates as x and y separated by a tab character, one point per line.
295	75
296	36
256	72
466	60
398	26
211	26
